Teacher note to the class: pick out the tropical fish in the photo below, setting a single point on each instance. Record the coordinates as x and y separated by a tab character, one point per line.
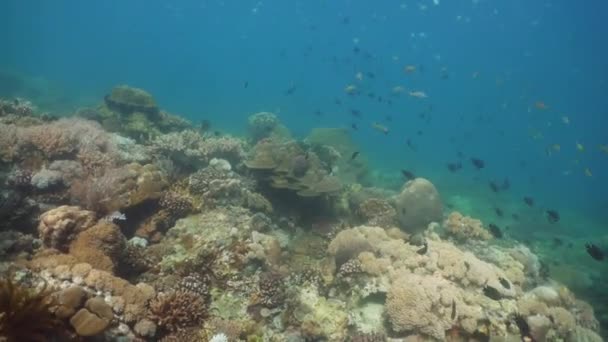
565	120
580	147
588	172
359	76
556	147
493	186
453	167
408	69
354	126
529	201
491	293
495	230
398	90
524	328
504	282
354	155
498	212
380	127
552	216
408	174
453	315
423	249
418	94
604	148
478	163
291	90
351	89
595	252
540	105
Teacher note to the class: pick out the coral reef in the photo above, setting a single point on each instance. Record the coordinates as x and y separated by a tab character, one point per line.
165	232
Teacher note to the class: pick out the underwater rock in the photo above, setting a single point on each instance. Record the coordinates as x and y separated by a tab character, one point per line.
127	100
59	226
220	164
418	205
348	244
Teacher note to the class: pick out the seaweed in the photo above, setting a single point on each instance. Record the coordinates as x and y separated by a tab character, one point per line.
25	314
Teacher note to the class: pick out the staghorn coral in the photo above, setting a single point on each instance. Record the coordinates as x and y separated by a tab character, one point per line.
271	289
418	205
59	226
465	228
25	314
177	310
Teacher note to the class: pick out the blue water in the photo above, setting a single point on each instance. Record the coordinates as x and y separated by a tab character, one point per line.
196	56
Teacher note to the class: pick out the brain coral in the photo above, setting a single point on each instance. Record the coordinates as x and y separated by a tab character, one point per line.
418	205
59	226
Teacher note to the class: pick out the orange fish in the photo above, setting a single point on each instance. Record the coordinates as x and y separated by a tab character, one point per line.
540	105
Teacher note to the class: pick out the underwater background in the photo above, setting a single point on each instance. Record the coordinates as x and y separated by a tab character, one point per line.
520	85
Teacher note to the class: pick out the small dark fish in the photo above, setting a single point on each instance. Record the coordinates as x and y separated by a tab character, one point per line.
354	126
354	155
552	216
371	95
389	118
290	90
453	167
205	125
410	144
217	133
337	101
346	20
529	201
318	112
16	102
515	217
524	328
495	230
419	132
423	249
356	113
356	50
557	242
595	252
505	283
494	187
498	212
453	309
478	163
246	84
408	174
506	185
379	98
371	75
491	293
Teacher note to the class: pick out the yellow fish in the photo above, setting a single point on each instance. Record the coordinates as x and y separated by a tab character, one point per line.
380	128
580	147
588	172
604	148
351	89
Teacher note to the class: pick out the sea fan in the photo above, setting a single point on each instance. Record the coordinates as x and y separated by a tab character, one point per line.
25	314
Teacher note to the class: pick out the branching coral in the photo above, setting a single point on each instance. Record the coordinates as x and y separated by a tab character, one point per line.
464	228
177	310
25	314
